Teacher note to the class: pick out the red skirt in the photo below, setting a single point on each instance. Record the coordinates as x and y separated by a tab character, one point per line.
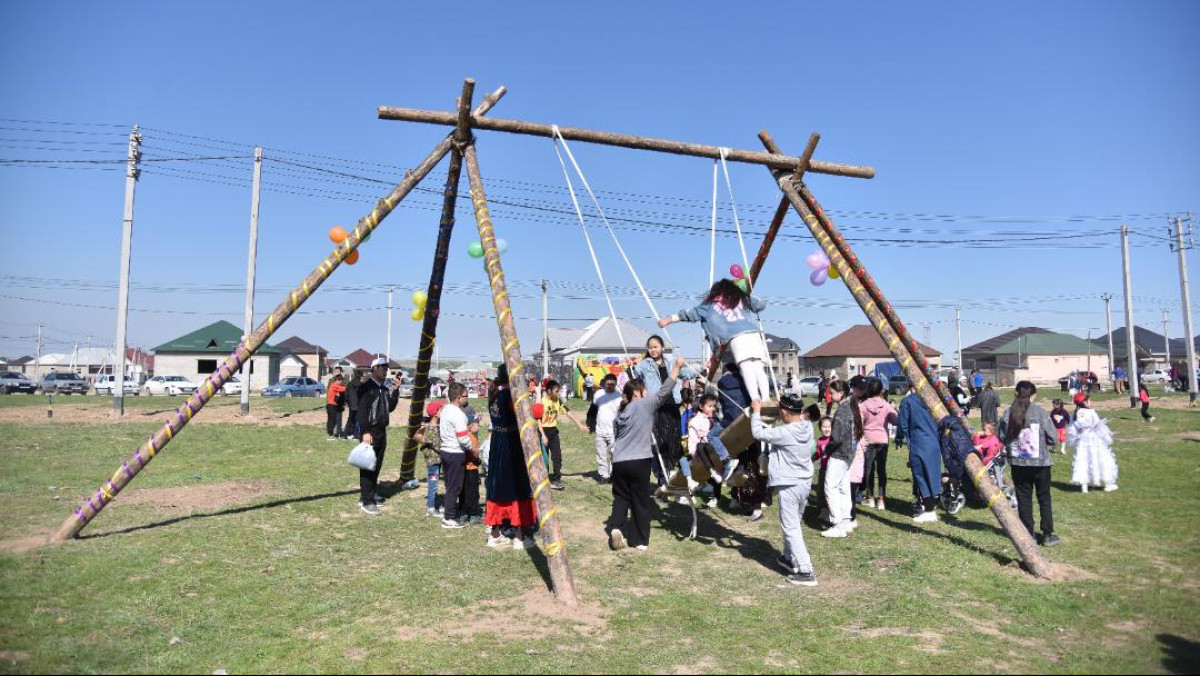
518	513
1062	435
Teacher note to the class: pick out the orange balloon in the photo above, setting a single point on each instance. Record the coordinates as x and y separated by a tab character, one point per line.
338	234
352	258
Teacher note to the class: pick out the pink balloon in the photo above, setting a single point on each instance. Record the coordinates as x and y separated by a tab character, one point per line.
817	260
736	271
818	277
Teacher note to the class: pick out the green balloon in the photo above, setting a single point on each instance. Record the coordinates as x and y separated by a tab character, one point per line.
743	285
475	250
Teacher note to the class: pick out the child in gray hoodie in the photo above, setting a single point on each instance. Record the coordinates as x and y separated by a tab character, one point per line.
792	446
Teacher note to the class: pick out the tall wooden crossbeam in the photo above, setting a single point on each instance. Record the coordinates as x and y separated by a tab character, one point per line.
147	451
437	276
995	498
539	480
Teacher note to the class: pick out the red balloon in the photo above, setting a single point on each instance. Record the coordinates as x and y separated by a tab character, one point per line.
352	257
537	410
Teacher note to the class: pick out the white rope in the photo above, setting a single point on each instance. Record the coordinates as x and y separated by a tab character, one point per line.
588	238
583	179
746	269
706	348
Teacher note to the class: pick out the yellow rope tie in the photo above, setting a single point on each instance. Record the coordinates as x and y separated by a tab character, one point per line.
107	495
541	487
494	261
515	371
510	345
546	517
208	384
150	445
271	323
523	397
979	475
503	313
870	305
553	549
528	423
906	363
922	385
189	412
995	498
170	432
326	267
494	278
294	303
895	341
529	461
502	295
881	323
307	291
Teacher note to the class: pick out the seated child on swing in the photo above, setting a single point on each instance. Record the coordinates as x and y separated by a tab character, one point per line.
724	316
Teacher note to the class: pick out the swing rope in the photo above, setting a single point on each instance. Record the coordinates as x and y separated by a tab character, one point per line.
746	266
558	137
588	238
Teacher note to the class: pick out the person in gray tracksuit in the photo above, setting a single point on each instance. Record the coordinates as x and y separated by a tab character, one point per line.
633	441
792	447
1026	430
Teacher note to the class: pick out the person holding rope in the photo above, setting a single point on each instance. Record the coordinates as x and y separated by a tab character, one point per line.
724	317
668	446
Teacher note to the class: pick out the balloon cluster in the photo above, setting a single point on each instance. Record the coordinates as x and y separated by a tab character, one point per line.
822	269
739	277
419	298
475	249
338	234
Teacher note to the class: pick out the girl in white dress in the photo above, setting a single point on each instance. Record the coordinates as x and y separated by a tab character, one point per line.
1095	464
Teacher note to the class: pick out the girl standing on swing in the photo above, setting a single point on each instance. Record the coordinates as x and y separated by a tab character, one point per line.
724	316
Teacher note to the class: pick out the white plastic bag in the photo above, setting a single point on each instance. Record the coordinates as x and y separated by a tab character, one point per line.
363	457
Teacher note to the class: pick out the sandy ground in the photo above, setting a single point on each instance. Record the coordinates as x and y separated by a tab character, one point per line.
223	414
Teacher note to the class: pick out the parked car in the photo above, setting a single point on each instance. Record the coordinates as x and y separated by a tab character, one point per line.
295	386
809	387
899	384
15	382
105	384
232	386
1157	376
168	385
63	383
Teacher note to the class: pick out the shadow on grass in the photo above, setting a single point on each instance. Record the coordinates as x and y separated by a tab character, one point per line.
1182	655
224	512
710	530
966	525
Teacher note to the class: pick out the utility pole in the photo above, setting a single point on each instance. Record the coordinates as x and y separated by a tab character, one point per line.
388	352
1167	339
1089	359
248	320
958	331
1131	339
131	177
546	333
1112	364
37	364
1189	339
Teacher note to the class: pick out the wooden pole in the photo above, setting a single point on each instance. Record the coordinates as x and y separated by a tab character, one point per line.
628	141
548	521
150	448
993	496
437	276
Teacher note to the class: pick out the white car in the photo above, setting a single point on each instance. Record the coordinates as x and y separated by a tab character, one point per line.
232	386
169	385
809	387
1156	376
106	384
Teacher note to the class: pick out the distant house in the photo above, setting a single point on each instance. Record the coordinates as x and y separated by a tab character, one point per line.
199	353
856	351
301	358
1151	348
1037	355
785	357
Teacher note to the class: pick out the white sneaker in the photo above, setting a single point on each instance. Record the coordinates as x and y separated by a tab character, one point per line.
498	542
641	548
835	532
926	517
1083	488
452	525
429	511
684	500
692	485
850	526
712	503
1110	488
523	544
730	467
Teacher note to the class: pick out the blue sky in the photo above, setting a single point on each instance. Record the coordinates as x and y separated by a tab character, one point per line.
987	126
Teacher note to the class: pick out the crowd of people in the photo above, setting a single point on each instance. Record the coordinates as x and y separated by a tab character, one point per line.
827	461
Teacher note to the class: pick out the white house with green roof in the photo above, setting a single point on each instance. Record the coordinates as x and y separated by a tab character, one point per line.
199	353
1036	355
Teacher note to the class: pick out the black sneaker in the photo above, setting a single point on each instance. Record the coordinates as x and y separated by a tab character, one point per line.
1050	540
369	508
786	564
558	485
803	579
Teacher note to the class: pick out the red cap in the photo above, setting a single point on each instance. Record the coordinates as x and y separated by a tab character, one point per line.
434	408
1079	398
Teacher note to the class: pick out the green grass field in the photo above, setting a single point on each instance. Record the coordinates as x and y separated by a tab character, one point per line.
241	548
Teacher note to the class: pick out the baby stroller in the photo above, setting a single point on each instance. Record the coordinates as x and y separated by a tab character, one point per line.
956	488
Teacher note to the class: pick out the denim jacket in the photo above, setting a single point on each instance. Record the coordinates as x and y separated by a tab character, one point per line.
647	370
721	323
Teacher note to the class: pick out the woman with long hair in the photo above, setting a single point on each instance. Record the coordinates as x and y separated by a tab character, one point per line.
509	498
1026	430
653	371
843	442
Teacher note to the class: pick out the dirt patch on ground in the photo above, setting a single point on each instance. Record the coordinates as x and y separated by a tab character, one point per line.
1174	403
702	665
199	497
13	657
220	412
22	545
534	613
1059	572
925	641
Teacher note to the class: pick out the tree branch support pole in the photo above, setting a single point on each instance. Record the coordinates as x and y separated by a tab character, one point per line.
993	496
539	480
155	444
437	276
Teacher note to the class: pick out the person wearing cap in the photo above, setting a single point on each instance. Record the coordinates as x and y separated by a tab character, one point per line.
792	447
429	440
376	401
